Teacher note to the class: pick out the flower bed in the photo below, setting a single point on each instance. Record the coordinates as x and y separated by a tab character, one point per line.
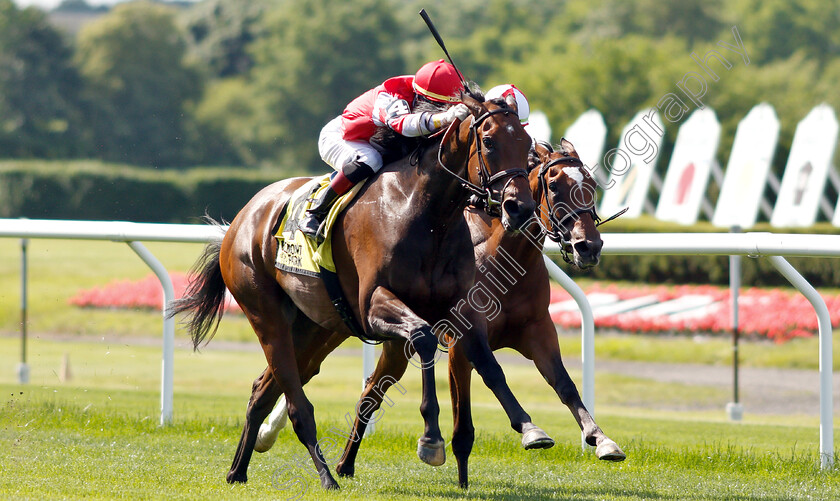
773	313
145	293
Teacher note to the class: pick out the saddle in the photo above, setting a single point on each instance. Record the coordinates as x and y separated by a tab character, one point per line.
295	252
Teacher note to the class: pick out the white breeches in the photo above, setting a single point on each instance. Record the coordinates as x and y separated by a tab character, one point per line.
337	152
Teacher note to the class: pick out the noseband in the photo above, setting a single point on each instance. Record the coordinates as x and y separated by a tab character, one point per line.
482	196
557	230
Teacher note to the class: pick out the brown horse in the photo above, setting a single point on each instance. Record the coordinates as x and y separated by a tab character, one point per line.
513	267
404	257
567	215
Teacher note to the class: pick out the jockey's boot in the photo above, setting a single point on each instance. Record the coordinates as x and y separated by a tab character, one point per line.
341	183
315	215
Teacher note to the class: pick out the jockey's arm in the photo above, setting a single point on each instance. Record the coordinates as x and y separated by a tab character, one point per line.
395	113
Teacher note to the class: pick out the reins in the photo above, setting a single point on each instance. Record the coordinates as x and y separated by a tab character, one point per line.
557	231
482	196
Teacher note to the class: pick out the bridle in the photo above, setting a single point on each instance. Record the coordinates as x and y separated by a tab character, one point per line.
557	230
482	196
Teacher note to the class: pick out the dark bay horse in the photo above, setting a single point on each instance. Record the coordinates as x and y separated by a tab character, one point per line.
404	257
565	192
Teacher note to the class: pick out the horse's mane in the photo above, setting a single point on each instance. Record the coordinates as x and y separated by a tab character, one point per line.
395	146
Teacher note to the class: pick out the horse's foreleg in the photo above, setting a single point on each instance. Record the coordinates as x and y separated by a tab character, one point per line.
389	316
478	352
264	393
463	432
389	369
545	351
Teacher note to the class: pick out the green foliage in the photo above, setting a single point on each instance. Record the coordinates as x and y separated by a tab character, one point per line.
97	191
315	56
140	85
39	88
219	32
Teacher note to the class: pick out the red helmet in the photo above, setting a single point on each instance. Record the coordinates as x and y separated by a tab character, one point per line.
438	81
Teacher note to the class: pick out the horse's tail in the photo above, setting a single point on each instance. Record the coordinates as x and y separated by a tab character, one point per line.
204	298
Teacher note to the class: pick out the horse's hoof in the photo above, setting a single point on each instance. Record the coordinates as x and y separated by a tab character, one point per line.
609	451
534	438
345	471
265	439
330	485
233	478
431	453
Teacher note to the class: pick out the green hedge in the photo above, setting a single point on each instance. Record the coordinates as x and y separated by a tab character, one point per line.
821	272
109	192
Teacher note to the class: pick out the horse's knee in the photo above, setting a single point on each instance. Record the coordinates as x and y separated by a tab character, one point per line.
301	414
425	344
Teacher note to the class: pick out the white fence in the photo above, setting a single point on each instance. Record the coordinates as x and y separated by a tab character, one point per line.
132	234
769	245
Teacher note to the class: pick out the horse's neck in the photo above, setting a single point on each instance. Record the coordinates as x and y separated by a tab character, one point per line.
445	197
526	245
489	233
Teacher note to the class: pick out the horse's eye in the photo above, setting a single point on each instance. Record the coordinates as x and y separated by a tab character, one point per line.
488	143
552	186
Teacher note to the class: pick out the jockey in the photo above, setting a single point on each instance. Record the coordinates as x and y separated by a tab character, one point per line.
345	144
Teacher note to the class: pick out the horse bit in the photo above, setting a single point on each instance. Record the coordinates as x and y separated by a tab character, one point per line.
563	236
482	196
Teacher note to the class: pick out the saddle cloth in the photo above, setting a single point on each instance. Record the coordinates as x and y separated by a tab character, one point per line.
297	253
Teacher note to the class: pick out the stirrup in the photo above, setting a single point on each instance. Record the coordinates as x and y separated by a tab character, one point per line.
317	233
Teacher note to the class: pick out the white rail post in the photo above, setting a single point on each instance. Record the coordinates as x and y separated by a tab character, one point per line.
824	324
368	364
166	395
587	336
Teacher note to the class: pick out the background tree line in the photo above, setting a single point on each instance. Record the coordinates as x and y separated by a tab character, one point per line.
249	84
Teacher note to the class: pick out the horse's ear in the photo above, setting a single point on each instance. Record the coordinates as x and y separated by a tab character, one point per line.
449	144
567	148
510	100
473	104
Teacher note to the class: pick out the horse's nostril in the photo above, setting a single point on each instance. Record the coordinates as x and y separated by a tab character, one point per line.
511	208
582	248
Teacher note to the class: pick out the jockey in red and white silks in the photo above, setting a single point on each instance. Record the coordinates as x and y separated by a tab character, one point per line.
345	144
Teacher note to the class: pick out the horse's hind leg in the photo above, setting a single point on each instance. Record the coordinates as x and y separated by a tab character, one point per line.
389	369
280	354
264	394
544	349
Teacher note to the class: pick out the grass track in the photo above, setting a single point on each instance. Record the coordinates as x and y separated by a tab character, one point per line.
97	437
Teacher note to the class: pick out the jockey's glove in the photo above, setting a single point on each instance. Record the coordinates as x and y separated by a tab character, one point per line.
459	111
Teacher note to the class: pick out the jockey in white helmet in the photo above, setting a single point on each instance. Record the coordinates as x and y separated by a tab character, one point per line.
502	91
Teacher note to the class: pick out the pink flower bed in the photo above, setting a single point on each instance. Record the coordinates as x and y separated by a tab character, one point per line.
145	293
776	314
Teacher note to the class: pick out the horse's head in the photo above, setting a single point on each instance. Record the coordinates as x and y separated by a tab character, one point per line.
493	147
565	192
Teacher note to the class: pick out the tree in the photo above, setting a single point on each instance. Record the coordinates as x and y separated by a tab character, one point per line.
39	88
140	85
314	57
220	31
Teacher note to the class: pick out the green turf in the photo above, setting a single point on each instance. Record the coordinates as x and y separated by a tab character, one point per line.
96	436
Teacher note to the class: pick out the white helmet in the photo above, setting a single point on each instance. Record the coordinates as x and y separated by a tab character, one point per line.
502	91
